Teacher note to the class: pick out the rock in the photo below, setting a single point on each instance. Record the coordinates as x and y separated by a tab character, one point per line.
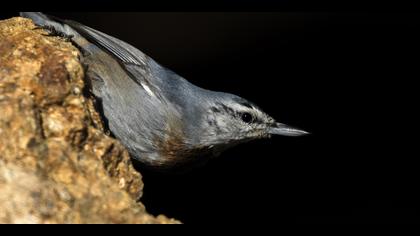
56	163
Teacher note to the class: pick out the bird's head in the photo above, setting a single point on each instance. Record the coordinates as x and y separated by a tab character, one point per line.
229	120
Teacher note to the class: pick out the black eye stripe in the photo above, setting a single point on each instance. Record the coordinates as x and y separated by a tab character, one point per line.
226	108
223	108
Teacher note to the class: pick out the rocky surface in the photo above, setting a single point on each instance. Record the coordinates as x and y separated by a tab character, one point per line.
56	163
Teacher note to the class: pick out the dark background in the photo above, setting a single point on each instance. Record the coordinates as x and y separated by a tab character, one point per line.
346	76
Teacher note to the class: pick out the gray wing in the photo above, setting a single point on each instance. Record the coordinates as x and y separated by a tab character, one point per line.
137	65
120	49
155	79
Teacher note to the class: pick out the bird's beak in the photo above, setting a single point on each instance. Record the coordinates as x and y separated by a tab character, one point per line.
282	129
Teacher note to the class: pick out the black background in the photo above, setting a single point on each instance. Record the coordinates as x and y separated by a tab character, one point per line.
345	75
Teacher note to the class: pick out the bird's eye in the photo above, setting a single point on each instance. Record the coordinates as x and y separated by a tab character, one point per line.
246	117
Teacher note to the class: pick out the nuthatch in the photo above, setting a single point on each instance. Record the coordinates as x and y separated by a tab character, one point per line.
162	119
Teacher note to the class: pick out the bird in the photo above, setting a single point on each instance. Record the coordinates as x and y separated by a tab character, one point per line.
163	120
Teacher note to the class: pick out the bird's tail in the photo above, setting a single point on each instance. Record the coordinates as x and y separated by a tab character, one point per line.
37	17
55	23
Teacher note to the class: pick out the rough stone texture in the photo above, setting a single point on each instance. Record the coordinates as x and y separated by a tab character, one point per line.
56	163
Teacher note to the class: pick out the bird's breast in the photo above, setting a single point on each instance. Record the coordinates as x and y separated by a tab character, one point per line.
174	148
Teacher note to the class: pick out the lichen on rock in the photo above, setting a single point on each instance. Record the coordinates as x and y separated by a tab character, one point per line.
56	163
